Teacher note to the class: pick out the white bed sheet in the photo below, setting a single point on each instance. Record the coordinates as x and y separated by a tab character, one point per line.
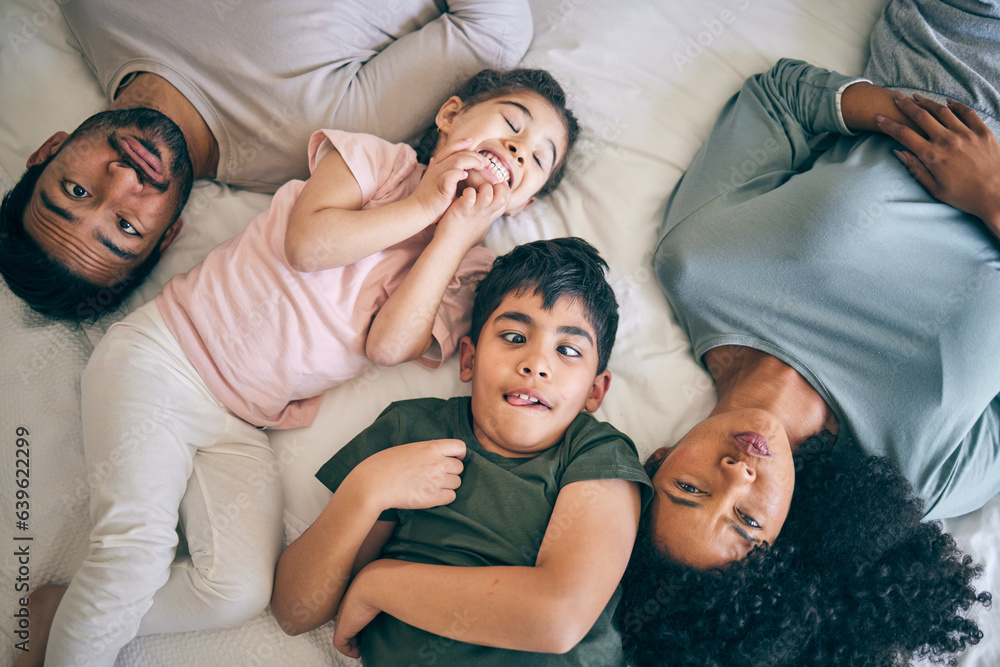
646	79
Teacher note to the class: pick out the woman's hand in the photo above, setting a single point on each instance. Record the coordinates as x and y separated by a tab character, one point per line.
957	158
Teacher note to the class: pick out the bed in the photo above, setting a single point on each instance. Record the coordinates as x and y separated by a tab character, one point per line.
646	79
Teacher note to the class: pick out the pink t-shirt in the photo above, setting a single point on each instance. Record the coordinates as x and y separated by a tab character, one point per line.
269	340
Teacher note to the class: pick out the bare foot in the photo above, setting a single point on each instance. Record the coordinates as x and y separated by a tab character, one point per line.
42	605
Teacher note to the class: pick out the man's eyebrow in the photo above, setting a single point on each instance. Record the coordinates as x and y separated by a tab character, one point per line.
742	533
552	146
51	205
118	251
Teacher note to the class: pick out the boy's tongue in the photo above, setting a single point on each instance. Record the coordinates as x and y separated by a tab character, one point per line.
521	400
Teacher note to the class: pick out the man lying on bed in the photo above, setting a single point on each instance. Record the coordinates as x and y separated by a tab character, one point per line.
200	92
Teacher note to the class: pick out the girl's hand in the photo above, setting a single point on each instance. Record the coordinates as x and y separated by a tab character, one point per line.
437	188
414	476
352	617
470	216
957	158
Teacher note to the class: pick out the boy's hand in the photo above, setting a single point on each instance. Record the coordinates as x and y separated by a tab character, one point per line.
414	476
439	184
469	217
352	617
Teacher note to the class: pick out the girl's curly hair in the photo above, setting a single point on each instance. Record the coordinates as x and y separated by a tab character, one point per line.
854	578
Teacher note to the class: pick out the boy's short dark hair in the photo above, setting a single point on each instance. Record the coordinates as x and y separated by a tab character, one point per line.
553	268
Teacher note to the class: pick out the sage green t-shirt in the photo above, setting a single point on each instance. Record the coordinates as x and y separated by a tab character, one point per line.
499	517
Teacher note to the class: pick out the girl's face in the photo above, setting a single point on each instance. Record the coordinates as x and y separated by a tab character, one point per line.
523	137
724	488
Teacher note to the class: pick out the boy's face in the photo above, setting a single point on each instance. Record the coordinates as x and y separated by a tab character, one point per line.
532	372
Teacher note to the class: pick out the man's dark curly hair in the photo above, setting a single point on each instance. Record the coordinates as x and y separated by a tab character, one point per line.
553	268
854	578
489	84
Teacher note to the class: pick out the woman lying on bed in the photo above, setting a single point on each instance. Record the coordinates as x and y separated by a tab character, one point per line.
847	310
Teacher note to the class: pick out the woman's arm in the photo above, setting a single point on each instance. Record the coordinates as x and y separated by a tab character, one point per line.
546	608
761	137
401	330
862	103
315	569
327	227
952	153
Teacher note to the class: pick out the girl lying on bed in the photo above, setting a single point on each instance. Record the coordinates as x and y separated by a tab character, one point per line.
849	320
374	259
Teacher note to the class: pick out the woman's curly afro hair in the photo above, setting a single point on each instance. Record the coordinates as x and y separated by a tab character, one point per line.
854	578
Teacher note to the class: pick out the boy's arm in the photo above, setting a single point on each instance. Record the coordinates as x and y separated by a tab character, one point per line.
547	608
401	330
328	229
316	568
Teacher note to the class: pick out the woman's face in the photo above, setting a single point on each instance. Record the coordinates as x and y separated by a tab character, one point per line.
723	489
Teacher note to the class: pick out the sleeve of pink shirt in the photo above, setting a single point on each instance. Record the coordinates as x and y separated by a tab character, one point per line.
379	166
454	315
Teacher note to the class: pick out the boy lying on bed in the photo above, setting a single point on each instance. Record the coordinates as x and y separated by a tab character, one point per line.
536	503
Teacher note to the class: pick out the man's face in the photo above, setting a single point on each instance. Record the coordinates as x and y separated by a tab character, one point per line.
532	372
110	193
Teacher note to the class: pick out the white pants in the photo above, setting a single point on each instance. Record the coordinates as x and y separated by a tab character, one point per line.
162	452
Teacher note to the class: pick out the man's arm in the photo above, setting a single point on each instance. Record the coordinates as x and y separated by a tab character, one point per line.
952	153
315	569
547	608
416	73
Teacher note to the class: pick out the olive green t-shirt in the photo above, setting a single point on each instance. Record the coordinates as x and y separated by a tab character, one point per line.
499	517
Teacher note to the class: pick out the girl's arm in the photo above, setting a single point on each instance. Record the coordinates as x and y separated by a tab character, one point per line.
401	330
316	568
546	608
328	229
